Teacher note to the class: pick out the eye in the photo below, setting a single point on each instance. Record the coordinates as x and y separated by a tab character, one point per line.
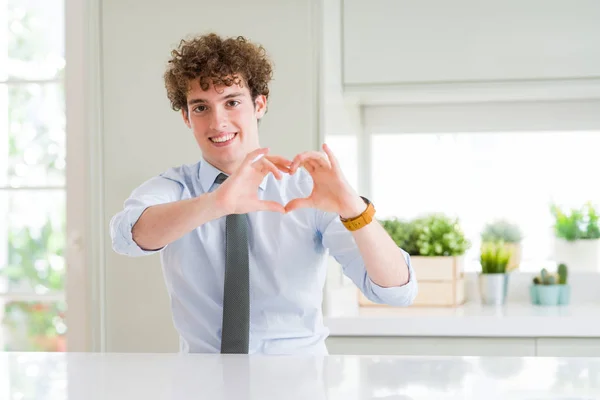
200	109
233	103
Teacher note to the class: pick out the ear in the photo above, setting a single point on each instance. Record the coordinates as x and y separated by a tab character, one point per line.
184	114
260	106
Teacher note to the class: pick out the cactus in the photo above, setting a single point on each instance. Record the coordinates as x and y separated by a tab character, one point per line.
546	278
562	274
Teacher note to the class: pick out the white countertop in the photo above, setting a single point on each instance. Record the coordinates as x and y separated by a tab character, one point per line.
78	376
511	320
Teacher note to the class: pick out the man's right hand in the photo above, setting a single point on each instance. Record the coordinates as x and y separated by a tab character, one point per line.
239	193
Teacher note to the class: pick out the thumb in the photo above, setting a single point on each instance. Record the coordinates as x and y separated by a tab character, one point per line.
266	205
303	202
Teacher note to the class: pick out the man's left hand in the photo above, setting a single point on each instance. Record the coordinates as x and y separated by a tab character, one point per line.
331	192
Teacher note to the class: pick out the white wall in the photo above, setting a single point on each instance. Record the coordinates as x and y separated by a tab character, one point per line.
435	51
405	41
142	136
341	113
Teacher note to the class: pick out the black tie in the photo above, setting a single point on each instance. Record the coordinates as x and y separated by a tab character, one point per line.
236	292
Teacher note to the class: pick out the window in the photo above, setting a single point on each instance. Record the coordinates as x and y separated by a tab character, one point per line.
481	176
32	175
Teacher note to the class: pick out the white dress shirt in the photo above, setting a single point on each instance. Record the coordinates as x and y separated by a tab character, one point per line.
288	254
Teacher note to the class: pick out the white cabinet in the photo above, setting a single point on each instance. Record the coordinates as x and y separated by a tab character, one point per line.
428	41
464	346
431	346
568	347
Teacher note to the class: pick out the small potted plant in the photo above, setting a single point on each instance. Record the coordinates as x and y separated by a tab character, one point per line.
493	278
436	245
434	241
510	234
551	289
577	237
439	235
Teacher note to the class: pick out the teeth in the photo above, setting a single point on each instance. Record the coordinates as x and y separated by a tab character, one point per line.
223	138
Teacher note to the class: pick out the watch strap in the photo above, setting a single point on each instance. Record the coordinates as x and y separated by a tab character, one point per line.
365	218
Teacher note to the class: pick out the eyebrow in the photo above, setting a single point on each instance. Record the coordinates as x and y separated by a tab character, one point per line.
191	102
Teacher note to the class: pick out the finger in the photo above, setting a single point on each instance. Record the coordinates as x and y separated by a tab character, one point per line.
308	166
295	164
279	160
303	202
320	161
298	161
283	167
267	205
312	165
265	166
253	155
302	157
332	159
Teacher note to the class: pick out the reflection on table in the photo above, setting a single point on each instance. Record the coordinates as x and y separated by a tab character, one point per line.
115	376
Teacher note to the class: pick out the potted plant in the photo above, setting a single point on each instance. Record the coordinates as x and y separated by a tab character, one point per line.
493	278
440	246
577	237
436	245
551	289
432	240
502	230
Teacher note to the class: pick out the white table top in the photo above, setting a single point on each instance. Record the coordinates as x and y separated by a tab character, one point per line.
511	320
113	376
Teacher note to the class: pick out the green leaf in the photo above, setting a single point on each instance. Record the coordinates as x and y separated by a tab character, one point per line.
578	224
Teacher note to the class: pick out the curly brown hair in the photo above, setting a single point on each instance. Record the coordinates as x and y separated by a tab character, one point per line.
211	58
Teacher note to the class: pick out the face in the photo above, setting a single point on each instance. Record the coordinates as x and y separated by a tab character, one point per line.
224	120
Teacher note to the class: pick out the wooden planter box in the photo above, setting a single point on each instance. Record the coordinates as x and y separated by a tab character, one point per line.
441	282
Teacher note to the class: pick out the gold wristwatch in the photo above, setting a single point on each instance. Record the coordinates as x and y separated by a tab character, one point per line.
353	224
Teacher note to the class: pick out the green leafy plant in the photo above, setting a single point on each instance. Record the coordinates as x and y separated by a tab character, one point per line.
404	234
440	235
501	230
576	224
494	257
429	235
36	259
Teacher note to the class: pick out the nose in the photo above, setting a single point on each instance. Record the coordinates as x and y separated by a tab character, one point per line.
218	119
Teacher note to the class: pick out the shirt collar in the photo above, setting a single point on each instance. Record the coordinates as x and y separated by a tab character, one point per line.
207	174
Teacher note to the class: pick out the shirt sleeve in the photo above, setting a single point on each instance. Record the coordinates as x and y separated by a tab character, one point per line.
343	248
157	190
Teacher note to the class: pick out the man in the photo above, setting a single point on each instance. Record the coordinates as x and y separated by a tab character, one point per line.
243	234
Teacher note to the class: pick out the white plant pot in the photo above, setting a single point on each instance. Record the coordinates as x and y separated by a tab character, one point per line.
493	288
579	255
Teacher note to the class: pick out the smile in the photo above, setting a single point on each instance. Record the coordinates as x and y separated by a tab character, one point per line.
223	139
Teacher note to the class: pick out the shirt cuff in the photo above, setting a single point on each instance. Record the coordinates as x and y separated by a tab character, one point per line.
403	295
122	226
